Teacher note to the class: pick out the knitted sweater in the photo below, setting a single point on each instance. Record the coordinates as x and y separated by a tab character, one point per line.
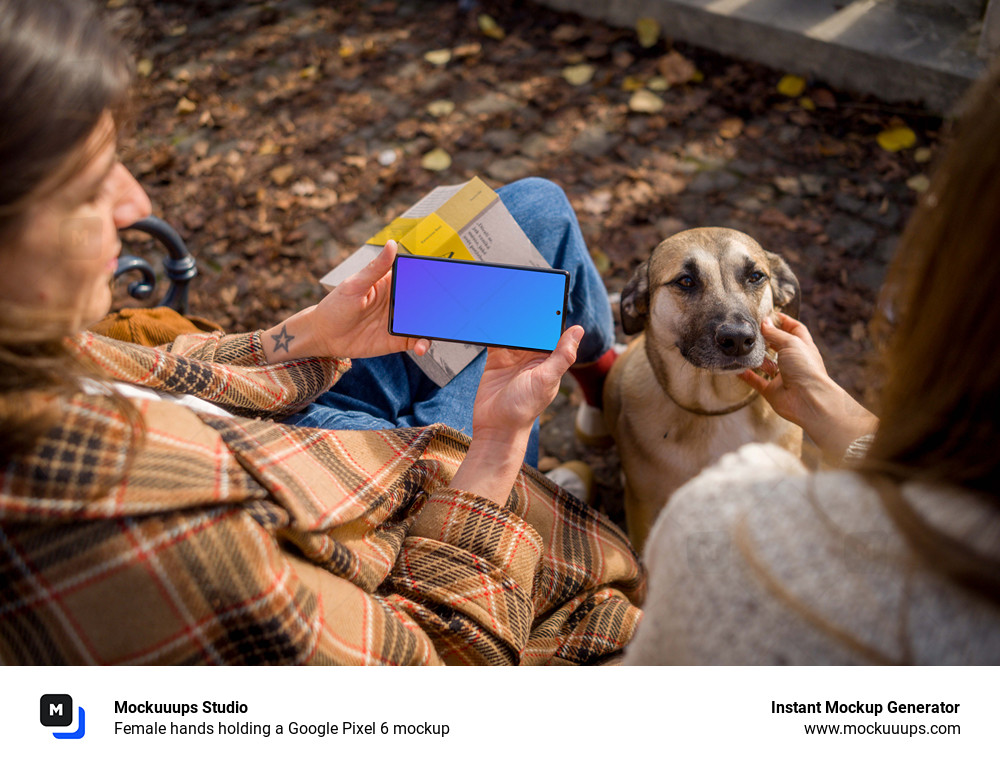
757	561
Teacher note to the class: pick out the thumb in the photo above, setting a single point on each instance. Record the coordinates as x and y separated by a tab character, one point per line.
564	354
755	381
776	338
377	268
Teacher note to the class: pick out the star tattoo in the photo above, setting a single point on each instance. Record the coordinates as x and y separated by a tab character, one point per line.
282	340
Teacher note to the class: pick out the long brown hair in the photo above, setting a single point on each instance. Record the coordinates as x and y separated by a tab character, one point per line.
940	406
60	72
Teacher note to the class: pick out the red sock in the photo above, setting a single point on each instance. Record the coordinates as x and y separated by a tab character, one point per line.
591	377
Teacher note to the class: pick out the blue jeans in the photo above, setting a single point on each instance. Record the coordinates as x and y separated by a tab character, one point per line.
392	392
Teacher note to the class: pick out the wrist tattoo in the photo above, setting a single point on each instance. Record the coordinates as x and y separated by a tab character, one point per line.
282	339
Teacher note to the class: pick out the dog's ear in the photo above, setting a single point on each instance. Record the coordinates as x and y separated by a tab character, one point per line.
635	300
784	286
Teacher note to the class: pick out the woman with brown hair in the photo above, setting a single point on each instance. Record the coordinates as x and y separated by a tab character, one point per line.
153	510
895	558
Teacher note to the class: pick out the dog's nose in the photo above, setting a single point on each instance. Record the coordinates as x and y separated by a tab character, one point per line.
735	339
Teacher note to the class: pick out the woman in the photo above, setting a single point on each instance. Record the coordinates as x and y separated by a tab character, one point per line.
895	558
153	510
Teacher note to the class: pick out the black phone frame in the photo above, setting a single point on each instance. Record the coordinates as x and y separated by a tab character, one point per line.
490	264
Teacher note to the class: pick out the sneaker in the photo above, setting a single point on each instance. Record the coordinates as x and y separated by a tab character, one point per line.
590	427
576	478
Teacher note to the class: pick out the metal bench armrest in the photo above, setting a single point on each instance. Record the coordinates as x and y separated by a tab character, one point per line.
178	264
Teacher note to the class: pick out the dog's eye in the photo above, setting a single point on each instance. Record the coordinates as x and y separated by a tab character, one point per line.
684	282
756	277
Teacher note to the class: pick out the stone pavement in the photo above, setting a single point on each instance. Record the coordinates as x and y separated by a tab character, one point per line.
920	50
278	134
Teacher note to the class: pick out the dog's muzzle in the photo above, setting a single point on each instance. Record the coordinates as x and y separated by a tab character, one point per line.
735	338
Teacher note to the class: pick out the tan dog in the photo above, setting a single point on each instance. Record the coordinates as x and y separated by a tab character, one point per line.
673	401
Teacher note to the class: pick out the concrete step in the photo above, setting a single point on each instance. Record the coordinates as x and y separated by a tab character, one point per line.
896	51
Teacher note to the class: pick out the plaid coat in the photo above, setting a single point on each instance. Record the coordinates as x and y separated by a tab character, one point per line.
242	540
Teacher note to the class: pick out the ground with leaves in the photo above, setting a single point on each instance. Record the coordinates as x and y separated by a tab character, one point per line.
276	136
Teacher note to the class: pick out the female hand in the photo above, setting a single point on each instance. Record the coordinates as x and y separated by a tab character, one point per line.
515	388
799	375
803	392
351	321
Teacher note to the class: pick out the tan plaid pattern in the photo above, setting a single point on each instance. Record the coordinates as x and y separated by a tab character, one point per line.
238	540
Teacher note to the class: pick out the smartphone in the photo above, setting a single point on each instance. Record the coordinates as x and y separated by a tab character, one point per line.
487	304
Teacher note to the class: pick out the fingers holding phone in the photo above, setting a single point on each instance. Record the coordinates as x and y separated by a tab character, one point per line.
517	386
351	320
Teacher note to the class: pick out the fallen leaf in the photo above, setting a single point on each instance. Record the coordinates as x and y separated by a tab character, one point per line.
267	146
676	69
201	167
468	49
648	31
824	99
144	67
791	85
896	139
772	216
566	33
579	74
645	102
438	57
322	200
807	103
436	160
788	185
441	108
658	84
194	218
831	147
632	84
309	72
923	154
731	127
304	188
177	31
623	59
489	27
600	259
919	183
185	106
281	174
597	203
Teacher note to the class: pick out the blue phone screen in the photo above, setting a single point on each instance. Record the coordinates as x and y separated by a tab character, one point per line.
486	304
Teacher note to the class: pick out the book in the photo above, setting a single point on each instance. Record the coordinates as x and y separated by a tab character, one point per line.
467	221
